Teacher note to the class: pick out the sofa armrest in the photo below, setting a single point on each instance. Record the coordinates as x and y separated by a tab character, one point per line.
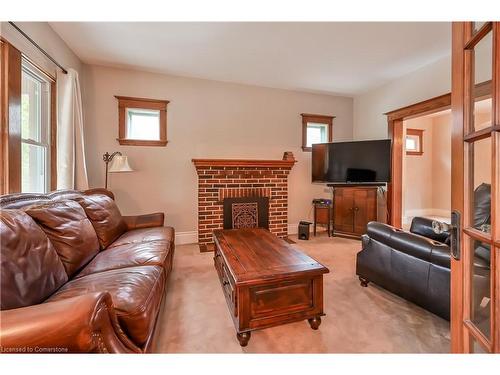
85	323
423	227
144	221
409	243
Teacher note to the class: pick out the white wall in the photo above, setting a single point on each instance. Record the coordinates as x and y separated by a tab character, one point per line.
369	108
46	38
206	119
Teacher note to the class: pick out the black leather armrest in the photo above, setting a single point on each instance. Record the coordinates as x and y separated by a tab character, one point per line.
409	243
423	227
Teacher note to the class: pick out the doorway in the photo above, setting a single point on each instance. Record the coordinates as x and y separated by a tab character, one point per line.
427	168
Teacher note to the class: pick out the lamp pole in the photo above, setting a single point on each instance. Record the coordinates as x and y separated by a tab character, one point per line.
107	159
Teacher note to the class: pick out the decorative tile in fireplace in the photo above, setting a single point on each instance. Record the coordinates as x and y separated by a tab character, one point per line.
246	212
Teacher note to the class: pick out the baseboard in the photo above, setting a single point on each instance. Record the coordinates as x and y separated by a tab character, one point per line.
191	237
183	238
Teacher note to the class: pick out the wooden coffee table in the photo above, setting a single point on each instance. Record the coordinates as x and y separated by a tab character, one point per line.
266	281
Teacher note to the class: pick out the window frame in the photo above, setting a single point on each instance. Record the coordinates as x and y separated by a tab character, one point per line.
10	113
125	102
419	133
317	119
48	141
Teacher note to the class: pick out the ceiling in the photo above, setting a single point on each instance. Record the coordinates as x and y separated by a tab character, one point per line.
345	58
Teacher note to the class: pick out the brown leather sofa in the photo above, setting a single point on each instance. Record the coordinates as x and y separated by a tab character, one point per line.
77	276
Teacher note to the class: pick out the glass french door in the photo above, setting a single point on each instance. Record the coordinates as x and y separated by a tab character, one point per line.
475	267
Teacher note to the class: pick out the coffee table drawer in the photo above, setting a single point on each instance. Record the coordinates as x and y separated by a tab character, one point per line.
281	298
227	283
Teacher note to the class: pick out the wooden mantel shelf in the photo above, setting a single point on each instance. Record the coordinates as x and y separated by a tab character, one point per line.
287	162
243	163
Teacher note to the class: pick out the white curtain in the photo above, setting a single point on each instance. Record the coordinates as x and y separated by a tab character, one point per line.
71	167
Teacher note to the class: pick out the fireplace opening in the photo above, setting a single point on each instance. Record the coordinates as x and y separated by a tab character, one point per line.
246	212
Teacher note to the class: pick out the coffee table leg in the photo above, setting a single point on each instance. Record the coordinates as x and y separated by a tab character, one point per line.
314	322
243	338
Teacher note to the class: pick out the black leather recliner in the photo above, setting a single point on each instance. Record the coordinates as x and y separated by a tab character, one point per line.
415	265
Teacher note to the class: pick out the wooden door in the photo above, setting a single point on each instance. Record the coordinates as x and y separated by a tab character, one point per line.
475	263
344	213
365	208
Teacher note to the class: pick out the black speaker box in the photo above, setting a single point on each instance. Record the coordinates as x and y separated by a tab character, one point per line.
304	230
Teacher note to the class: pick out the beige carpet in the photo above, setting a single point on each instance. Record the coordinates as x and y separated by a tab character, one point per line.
195	317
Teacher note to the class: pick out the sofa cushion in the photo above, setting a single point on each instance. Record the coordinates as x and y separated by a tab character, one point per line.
69	230
482	205
145	235
104	216
136	293
30	268
128	255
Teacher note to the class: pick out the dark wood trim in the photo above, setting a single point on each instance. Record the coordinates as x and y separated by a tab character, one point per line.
53	135
395	187
4	130
11	119
140	142
320	119
426	107
142	100
420	134
478	35
477	234
479	134
243	163
457	180
125	102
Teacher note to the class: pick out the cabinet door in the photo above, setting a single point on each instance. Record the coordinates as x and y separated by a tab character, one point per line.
344	203
365	209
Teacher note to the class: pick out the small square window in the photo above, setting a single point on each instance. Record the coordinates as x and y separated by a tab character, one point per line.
316	133
414	142
316	129
142	122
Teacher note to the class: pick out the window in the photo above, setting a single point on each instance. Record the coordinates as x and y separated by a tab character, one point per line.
142	122
316	129
35	130
414	142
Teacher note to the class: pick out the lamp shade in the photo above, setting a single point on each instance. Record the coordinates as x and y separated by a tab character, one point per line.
120	164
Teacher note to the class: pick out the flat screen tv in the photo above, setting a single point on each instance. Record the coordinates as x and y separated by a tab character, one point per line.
354	162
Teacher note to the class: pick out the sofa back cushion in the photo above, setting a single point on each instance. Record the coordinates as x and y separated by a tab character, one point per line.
104	216
482	205
69	230
30	268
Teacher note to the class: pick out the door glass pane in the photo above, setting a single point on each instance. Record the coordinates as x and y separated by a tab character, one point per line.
477	25
483	54
480	210
31	107
478	348
480	285
33	170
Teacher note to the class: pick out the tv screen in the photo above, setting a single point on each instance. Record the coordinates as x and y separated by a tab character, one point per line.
352	162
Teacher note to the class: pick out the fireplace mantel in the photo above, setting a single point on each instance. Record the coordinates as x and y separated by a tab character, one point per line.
243	163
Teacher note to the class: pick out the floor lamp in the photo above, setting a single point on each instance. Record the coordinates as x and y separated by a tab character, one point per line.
119	163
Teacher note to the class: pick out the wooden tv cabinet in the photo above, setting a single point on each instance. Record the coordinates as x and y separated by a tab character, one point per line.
354	207
266	281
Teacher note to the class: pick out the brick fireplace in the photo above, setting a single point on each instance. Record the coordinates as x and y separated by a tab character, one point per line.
231	178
